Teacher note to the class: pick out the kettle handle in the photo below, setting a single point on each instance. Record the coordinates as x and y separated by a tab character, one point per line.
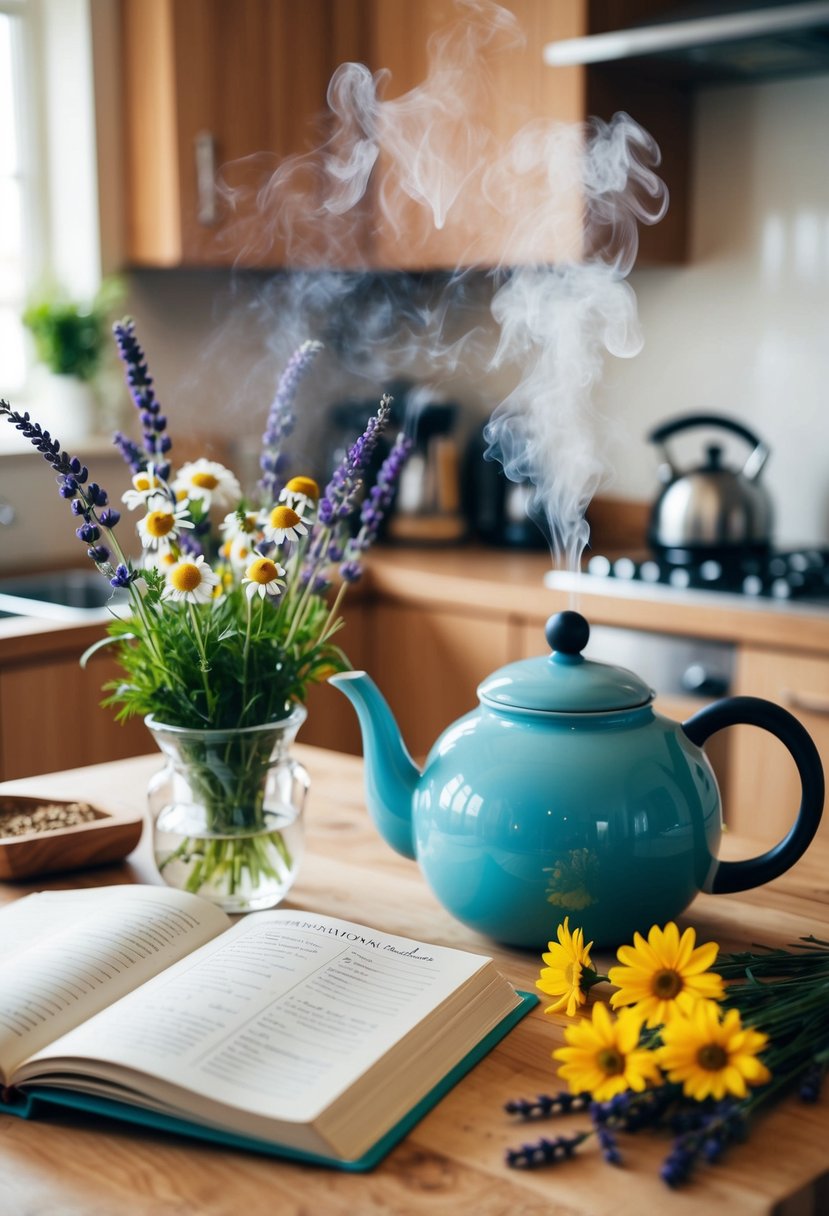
754	711
757	458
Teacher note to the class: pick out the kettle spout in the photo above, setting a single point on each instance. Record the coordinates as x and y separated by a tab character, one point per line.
391	776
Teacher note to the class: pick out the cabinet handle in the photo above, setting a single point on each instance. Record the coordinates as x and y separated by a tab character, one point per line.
809	702
205	149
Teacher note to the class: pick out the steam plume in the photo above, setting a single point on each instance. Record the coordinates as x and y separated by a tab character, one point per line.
428	163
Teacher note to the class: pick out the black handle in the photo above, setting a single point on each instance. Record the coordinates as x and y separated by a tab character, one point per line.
754	711
686	421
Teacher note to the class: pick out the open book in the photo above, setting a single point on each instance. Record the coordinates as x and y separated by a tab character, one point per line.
285	1032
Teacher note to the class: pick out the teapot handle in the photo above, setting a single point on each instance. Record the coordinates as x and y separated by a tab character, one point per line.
754	711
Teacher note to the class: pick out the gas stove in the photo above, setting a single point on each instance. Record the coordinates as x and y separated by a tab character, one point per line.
781	575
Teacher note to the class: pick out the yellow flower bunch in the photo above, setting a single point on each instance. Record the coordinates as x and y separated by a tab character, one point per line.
664	984
677	1046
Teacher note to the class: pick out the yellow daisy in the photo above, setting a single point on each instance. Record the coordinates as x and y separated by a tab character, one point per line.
603	1057
712	1055
664	974
562	975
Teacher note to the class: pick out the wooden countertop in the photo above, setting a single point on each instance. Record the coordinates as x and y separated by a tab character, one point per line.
509	583
453	1160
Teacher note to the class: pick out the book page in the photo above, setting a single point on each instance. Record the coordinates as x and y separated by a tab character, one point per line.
276	1017
65	955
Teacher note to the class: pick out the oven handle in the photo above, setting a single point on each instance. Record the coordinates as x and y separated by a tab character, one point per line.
731	876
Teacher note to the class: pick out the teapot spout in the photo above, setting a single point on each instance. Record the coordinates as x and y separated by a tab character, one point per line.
391	776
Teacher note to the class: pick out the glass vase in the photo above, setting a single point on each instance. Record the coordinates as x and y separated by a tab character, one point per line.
227	811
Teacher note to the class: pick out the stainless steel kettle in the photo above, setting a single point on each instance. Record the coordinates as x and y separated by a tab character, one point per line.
713	508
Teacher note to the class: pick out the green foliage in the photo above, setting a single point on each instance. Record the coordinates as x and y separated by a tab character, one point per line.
250	675
70	337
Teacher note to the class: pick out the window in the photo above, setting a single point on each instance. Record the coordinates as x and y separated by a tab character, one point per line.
14	271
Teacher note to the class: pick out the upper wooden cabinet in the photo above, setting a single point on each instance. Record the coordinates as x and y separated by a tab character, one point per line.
220	94
216	94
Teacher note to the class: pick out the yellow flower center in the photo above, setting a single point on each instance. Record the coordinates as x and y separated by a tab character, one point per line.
248	524
712	1057
142	482
304	485
284	517
159	523
185	577
611	1062
263	570
666	985
205	481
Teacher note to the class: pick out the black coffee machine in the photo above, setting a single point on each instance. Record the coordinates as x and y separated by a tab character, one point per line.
495	506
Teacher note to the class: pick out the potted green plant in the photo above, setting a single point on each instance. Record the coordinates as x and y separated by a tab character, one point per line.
70	338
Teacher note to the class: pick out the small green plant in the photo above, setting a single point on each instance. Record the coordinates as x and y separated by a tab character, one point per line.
70	337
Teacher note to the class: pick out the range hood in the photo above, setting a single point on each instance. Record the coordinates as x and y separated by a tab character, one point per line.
712	43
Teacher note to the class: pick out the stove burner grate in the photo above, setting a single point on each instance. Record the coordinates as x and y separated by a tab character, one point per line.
777	574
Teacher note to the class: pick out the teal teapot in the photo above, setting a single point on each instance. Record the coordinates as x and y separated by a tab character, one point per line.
566	794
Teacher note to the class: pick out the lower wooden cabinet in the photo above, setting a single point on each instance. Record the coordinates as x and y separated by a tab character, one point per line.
51	717
766	788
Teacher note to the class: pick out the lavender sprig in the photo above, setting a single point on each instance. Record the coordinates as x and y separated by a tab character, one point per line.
157	442
375	506
544	1151
340	495
85	498
282	419
562	1103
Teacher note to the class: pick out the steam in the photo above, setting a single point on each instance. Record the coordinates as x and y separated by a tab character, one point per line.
565	202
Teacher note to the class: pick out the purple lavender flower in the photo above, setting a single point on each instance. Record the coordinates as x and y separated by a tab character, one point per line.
156	442
123	576
131	453
375	506
562	1103
73	477
544	1151
340	495
281	419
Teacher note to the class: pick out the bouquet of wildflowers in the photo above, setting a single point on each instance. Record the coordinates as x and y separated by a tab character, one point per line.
690	1043
232	612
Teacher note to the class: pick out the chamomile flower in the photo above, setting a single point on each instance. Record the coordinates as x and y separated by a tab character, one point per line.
191	580
240	523
712	1054
163	522
239	552
144	486
263	576
210	481
159	559
301	493
284	523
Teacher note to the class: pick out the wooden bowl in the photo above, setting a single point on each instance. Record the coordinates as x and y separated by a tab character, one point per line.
106	838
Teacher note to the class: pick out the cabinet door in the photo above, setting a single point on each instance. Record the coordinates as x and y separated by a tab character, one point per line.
766	784
331	720
428	663
448	148
52	718
211	84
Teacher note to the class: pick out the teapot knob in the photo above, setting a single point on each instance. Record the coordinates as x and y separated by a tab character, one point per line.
567	632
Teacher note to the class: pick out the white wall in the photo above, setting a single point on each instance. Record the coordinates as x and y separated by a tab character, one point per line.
743	329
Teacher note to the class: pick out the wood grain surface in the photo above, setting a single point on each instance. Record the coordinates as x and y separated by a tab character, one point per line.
453	1161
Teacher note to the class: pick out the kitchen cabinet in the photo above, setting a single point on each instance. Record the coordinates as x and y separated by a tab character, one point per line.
51	716
766	783
218	93
213	83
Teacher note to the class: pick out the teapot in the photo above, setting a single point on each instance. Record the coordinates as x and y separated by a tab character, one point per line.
566	794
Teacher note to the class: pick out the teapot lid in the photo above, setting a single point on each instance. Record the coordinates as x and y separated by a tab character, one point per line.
564	681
